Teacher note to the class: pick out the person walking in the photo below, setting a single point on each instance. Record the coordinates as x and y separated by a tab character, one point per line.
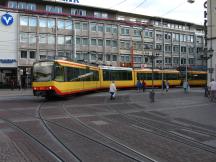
167	86
139	85
143	85
212	87
185	86
112	90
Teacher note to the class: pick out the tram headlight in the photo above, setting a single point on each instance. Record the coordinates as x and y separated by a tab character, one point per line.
50	88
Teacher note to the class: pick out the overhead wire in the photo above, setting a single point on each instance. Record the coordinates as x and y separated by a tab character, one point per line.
118	4
139	4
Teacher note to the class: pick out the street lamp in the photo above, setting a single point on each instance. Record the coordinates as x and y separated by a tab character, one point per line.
207	54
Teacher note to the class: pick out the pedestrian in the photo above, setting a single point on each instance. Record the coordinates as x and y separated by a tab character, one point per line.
112	90
163	85
139	85
185	86
167	86
212	87
143	85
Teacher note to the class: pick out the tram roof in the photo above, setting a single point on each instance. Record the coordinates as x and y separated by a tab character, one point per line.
115	68
71	63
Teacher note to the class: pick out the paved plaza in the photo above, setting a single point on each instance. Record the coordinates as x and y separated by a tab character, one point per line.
90	127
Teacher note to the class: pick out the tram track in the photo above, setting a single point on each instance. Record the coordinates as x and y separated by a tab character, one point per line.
145	126
33	138
45	122
115	141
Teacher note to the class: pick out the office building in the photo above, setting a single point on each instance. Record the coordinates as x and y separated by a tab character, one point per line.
45	29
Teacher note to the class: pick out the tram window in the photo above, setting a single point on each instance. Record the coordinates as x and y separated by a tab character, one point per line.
59	73
117	75
72	74
171	76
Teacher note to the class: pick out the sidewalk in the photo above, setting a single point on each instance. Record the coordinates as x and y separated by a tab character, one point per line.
16	92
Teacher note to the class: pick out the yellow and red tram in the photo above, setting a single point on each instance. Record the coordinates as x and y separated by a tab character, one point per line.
60	77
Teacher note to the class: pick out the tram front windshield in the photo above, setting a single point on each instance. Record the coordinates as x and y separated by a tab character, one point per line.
42	71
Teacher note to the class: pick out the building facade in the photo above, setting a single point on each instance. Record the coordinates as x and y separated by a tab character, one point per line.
211	38
36	30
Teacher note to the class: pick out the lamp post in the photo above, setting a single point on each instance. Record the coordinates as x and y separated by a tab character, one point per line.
152	93
207	54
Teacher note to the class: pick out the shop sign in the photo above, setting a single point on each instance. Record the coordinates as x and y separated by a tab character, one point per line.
7	19
7	61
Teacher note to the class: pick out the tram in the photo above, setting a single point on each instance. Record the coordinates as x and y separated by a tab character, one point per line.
172	76
61	77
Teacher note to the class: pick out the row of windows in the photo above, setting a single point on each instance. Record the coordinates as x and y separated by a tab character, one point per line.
82	12
72	74
65	39
22	5
96	57
157	76
98	27
109	75
175	37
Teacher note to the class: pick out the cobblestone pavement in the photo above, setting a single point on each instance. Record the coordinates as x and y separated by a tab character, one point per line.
177	127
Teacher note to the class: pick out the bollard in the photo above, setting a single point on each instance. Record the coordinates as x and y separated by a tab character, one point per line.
151	96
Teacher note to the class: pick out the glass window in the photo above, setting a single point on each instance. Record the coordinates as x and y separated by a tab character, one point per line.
108	28
32	21
24	20
77	40
114	43
51	39
59	73
32	38
43	22
58	9
50	8
68	24
51	23
93	27
108	42
73	11
61	24
114	57
22	5
32	54
84	26
24	37
100	27
31	6
42	38
100	42
114	29
84	41
12	4
108	57
23	54
42	71
93	57
60	39
68	40
77	25
93	42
